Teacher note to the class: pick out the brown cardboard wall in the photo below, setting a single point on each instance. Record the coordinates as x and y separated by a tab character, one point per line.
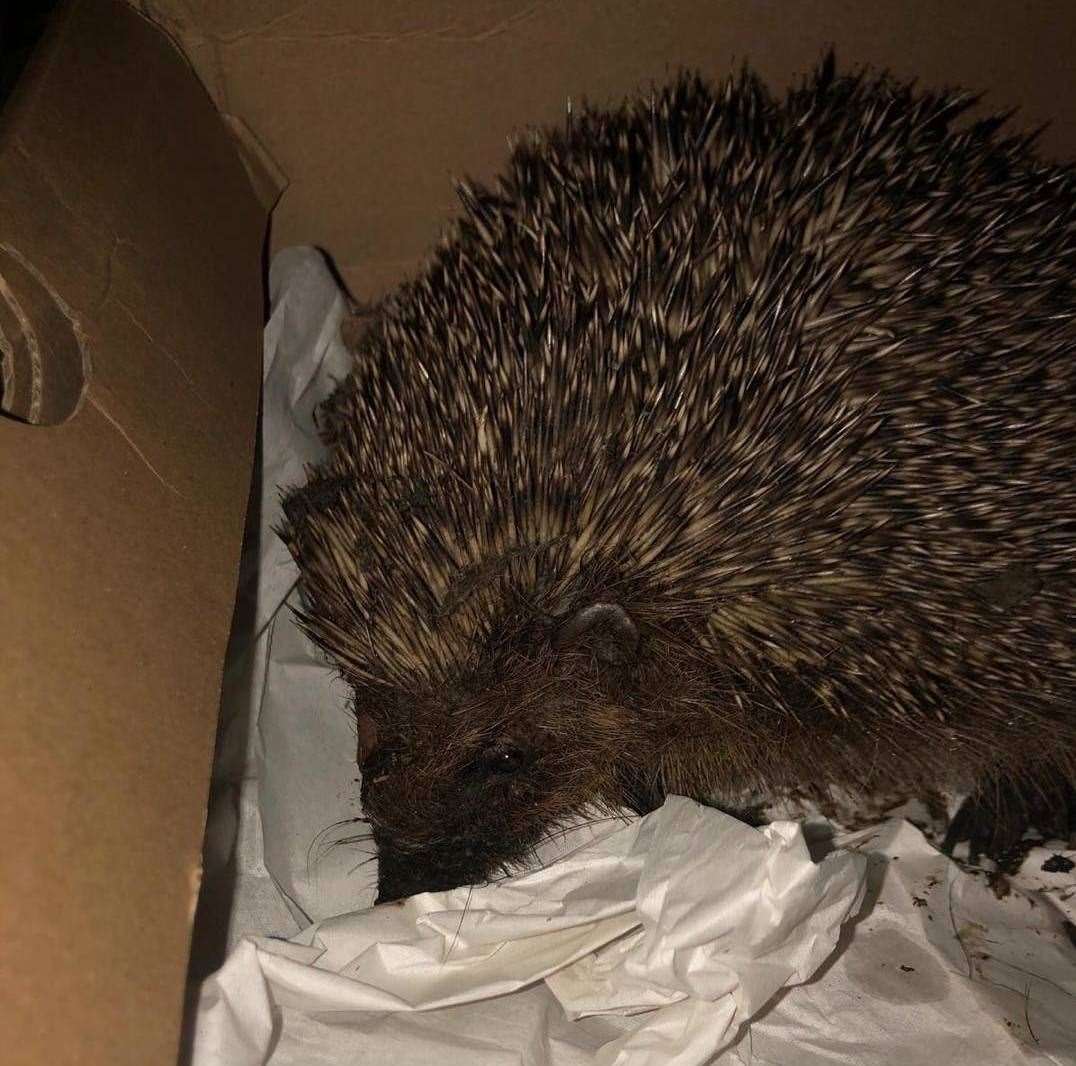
131	309
370	108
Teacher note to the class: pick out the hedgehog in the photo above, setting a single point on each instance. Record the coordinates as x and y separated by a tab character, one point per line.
723	446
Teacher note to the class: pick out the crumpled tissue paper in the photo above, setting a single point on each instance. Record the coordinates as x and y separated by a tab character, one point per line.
686	922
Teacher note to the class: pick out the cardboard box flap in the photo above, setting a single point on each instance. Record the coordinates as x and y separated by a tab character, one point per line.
131	308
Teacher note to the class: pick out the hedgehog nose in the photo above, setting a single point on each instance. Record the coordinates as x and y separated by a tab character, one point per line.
402	875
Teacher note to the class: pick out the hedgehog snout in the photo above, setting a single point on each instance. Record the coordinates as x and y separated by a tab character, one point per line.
438	829
437	864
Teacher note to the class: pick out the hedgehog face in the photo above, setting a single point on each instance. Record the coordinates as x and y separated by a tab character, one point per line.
439	822
460	785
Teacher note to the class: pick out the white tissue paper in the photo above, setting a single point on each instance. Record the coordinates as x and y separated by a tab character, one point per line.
684	937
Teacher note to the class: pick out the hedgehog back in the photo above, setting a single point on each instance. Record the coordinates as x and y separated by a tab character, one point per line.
793	381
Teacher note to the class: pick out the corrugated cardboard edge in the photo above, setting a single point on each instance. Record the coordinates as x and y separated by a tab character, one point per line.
267	177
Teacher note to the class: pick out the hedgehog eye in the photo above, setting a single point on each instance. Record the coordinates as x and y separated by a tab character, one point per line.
506	760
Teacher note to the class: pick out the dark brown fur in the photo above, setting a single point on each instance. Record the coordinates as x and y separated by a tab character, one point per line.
789	387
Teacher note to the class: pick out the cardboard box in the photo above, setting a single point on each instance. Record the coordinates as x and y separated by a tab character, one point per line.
131	307
131	304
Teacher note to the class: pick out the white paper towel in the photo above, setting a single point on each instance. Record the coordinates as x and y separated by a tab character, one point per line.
686	922
646	942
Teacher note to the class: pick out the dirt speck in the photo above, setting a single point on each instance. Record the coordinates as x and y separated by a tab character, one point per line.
1070	932
999	883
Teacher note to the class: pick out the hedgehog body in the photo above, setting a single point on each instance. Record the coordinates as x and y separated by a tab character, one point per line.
727	443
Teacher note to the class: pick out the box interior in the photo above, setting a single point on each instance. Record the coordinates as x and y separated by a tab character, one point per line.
130	210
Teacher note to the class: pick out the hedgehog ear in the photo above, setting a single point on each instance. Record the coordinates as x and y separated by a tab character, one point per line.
607	627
